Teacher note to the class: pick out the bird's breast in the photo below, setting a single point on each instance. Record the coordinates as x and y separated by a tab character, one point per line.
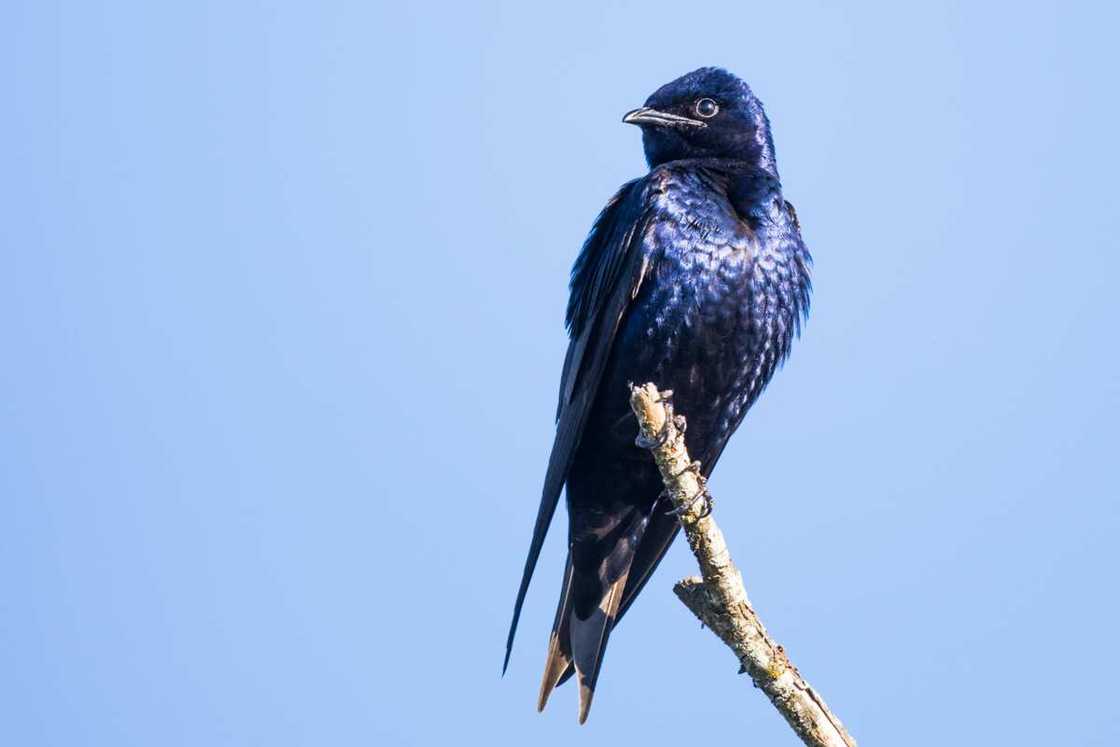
715	315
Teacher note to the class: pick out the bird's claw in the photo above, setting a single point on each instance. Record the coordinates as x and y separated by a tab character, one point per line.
694	468
703	494
658	440
662	436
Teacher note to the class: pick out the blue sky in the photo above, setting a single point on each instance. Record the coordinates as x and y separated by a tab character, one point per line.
281	310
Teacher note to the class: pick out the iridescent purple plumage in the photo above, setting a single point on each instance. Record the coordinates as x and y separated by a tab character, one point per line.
694	277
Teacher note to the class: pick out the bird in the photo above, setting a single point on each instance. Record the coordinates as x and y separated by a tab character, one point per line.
694	277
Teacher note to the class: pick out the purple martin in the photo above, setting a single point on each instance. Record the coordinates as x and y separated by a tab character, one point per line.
694	277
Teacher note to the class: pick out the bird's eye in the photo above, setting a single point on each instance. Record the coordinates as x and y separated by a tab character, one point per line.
707	108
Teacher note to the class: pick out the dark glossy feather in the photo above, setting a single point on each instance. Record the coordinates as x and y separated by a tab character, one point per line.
605	278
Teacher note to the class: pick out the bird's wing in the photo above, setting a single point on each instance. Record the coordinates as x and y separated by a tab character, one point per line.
600	269
605	279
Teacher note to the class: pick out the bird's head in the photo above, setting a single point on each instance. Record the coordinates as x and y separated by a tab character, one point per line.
708	113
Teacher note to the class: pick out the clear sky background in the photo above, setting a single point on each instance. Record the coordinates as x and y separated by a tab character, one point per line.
280	320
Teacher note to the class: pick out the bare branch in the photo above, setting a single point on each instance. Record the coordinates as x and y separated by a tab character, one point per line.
719	598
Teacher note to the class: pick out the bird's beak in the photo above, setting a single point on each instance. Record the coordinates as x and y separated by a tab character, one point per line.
648	116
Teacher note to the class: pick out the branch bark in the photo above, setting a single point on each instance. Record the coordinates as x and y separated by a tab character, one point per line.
719	598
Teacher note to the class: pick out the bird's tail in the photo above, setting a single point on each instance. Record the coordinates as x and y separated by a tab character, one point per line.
559	659
579	642
586	614
589	640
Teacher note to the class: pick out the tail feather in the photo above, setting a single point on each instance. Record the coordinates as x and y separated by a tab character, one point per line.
590	604
577	646
659	535
559	659
588	640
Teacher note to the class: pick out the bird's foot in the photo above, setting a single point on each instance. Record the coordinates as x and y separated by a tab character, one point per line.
662	436
703	494
694	468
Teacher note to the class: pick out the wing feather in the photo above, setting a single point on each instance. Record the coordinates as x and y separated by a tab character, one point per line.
605	279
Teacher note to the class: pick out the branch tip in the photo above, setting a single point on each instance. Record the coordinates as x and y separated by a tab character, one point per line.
718	598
